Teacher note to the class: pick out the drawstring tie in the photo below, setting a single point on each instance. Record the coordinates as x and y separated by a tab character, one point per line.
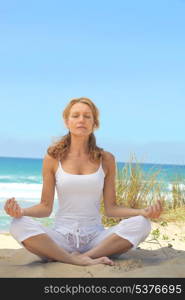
77	235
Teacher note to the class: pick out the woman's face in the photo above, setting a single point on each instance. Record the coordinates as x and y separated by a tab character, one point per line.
80	120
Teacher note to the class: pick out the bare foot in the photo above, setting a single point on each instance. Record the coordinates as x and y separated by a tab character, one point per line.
84	260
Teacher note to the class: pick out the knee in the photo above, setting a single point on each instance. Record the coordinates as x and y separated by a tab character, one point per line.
144	224
19	228
16	227
26	243
23	229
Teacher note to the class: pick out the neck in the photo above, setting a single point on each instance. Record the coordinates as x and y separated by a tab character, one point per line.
79	145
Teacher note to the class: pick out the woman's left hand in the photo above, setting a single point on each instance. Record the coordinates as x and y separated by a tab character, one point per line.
153	211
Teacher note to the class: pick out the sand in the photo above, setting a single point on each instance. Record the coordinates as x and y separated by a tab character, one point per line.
160	257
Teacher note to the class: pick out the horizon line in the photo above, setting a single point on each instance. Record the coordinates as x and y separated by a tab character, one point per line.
41	158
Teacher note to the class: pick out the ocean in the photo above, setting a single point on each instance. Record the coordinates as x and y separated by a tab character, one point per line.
22	178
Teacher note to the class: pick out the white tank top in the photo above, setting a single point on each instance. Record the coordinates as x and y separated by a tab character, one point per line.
79	199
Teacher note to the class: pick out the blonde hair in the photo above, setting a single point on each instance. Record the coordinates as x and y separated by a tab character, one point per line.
60	149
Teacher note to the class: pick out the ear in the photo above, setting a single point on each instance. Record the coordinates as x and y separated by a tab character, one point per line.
66	123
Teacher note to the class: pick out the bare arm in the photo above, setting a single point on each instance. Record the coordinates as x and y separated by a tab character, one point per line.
109	195
44	208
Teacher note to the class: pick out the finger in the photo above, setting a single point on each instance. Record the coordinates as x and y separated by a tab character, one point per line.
10	202
156	208
14	206
161	205
151	211
11	207
157	205
8	206
14	209
11	199
154	212
159	208
18	210
7	203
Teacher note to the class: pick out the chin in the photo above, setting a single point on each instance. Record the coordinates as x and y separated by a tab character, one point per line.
80	133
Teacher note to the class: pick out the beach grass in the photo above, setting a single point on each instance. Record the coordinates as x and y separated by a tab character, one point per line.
138	189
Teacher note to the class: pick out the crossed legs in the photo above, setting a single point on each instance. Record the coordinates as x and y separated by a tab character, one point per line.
43	246
113	244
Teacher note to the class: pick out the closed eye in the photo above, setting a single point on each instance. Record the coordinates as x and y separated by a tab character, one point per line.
85	117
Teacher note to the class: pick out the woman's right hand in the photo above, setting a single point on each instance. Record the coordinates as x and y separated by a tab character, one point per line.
13	209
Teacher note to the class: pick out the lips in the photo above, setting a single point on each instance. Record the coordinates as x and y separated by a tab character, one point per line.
81	127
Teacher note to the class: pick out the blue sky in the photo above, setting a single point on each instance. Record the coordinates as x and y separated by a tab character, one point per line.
127	56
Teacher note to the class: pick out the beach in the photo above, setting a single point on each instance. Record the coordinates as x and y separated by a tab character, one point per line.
161	255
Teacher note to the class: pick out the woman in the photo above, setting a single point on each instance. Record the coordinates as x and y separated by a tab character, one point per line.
81	172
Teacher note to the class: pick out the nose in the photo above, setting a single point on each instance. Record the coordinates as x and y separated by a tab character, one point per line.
81	118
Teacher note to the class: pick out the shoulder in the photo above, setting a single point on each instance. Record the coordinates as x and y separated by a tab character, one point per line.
109	161
49	159
50	163
108	156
